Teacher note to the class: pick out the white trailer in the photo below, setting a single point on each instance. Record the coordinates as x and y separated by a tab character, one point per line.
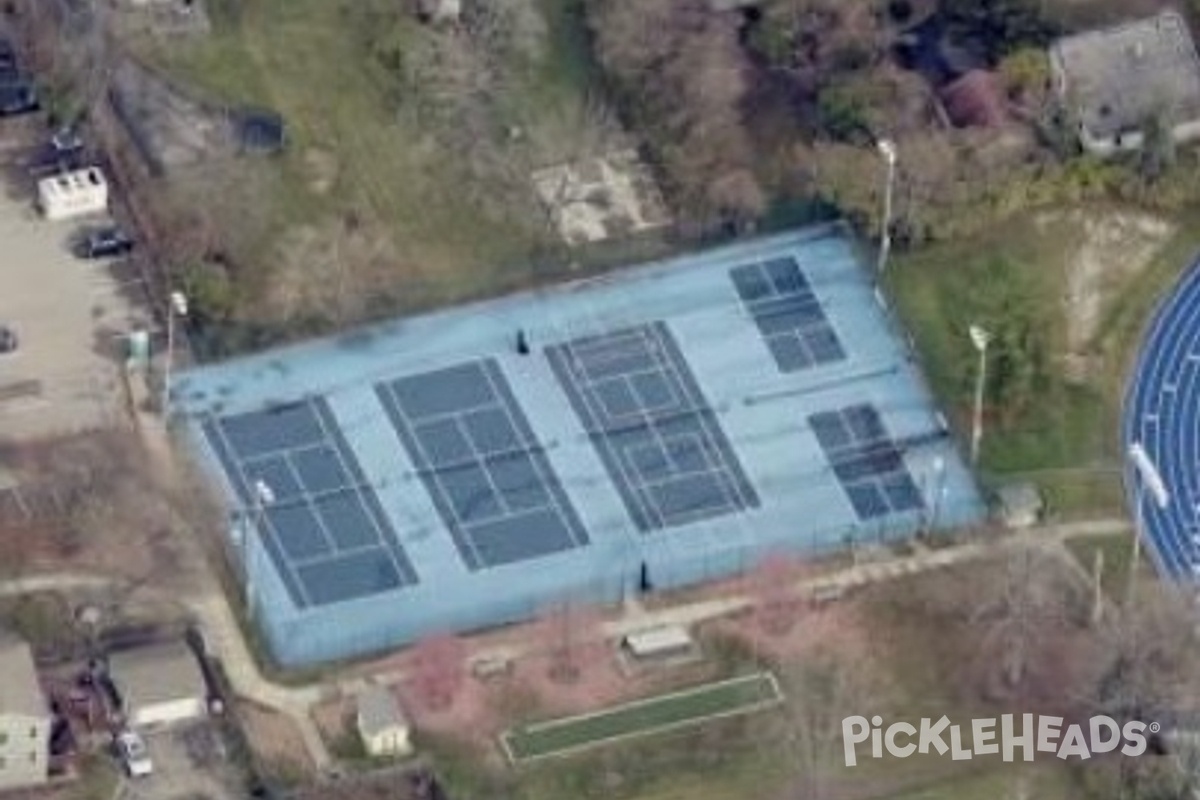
73	194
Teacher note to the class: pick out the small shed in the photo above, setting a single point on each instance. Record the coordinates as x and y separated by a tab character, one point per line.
73	194
667	641
159	684
1019	505
384	729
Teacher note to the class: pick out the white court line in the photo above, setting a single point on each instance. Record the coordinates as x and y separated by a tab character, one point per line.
435	474
527	448
777	697
712	432
255	519
334	444
575	368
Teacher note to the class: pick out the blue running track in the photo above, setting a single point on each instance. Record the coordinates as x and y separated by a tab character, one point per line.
1162	413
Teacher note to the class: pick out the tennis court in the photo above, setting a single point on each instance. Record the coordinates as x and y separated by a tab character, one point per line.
481	464
660	442
320	522
648	429
668	712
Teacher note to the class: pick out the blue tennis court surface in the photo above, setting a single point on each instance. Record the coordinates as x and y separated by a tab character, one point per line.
483	468
866	461
648	429
1162	416
788	313
322	526
660	442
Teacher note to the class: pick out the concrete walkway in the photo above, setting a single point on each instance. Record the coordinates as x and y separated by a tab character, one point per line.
57	582
224	638
865	574
637	618
211	606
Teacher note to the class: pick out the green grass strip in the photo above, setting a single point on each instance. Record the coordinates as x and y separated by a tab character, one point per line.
641	717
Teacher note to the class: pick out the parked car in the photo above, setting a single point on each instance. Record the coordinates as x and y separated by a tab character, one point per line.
18	96
107	242
8	340
131	748
66	141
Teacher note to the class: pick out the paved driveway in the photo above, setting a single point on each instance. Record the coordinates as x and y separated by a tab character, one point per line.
71	318
190	763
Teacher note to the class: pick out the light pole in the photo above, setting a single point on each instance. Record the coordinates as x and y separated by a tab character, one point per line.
888	150
264	496
939	488
980	339
1147	478
176	307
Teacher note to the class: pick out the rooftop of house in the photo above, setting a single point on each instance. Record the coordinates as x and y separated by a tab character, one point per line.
378	711
157	673
1120	77
20	692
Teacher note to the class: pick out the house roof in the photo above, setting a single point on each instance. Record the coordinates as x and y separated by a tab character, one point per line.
1118	77
975	100
378	711
157	673
20	692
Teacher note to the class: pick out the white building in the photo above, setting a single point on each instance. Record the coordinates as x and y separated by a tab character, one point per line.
382	725
159	685
1118	79
73	194
24	718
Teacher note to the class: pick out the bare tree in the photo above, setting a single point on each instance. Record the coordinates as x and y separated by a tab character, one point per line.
438	670
685	77
828	685
569	635
773	585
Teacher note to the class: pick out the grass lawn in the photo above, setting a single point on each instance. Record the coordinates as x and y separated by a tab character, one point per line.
1001	780
98	779
1064	436
641	717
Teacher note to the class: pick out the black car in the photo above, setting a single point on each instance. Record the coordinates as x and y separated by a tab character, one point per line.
106	242
18	96
8	340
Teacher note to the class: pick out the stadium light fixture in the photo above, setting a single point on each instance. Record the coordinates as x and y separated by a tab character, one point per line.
939	490
264	496
1148	479
177	306
887	149
980	339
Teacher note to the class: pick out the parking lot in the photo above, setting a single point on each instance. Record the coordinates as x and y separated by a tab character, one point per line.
71	319
191	762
